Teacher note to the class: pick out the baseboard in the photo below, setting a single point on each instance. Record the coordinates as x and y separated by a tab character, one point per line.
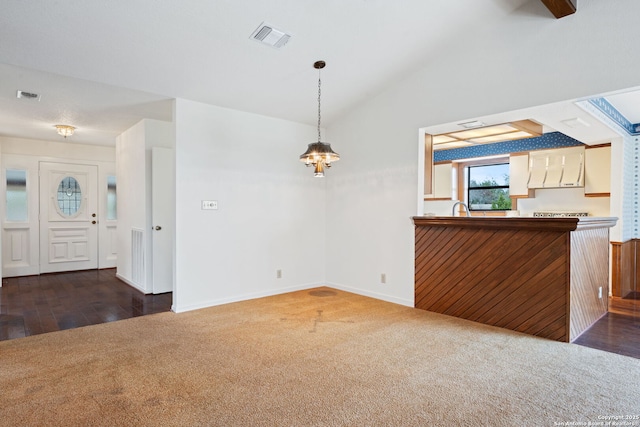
268	293
130	283
243	297
376	295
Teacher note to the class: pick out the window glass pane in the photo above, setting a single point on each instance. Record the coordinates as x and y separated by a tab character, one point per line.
111	198
489	199
17	195
69	196
489	176
488	187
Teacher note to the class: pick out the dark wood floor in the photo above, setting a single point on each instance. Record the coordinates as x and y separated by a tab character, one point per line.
618	331
52	302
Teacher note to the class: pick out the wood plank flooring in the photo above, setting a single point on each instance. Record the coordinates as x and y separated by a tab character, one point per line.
51	302
618	331
34	305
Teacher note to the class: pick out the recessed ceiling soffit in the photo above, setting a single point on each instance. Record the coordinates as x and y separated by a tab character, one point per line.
521	129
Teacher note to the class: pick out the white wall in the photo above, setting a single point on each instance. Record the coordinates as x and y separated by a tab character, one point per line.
439	207
131	194
564	200
57	149
133	166
271	211
527	60
624	179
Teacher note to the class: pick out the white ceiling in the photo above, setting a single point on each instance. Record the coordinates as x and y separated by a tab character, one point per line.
104	65
628	104
559	117
99	111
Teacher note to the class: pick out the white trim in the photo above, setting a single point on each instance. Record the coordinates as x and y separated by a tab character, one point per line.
376	295
262	294
244	297
130	283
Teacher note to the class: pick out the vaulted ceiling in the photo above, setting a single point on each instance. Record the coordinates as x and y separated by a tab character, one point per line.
103	65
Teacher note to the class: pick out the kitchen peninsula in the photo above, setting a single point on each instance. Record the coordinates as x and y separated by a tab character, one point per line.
541	276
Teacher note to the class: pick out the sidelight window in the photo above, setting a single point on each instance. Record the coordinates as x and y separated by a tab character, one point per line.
488	187
111	198
17	209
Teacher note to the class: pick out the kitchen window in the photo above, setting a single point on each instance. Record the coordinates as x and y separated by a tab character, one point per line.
488	187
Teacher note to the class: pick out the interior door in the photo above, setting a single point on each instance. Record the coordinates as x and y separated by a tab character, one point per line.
68	217
162	213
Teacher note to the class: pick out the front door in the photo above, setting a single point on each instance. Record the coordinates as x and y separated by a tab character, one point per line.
68	217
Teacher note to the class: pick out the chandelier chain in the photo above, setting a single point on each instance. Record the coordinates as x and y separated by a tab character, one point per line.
319	93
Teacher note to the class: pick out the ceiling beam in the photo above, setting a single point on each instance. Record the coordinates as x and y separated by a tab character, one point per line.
561	8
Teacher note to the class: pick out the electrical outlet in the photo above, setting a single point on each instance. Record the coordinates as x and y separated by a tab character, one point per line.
278	274
600	292
383	278
209	204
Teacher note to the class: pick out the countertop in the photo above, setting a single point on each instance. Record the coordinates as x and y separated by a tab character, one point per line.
519	223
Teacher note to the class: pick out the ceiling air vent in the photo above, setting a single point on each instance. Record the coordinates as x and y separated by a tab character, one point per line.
27	95
268	35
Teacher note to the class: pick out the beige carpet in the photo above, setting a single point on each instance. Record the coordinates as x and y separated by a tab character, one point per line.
309	358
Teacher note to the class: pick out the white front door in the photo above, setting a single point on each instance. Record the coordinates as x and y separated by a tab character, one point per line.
68	217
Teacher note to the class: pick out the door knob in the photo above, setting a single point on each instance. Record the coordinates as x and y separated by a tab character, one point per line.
93	222
158	227
93	215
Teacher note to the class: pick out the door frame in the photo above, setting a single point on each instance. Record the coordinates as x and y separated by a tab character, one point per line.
29	263
61	236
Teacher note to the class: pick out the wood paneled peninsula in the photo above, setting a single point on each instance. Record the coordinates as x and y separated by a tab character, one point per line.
547	277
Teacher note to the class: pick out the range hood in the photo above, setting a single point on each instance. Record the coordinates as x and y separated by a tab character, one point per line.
557	168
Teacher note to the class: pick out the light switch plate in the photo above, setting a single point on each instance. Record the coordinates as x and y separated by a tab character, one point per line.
209	204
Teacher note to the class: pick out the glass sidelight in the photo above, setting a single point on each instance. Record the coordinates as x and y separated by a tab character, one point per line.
111	198
17	207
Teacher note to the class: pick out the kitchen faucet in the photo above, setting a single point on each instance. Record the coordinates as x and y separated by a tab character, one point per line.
453	209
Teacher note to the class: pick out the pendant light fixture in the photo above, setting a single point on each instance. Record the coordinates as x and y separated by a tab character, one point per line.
319	154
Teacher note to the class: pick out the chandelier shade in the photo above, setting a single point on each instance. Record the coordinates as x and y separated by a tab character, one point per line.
317	151
319	154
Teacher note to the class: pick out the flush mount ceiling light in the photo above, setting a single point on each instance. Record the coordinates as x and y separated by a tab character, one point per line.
521	129
319	154
65	130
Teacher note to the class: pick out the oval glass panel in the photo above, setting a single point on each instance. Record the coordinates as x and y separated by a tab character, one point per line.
69	196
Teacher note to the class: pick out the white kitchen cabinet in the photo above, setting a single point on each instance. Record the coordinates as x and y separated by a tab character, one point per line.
597	171
442	182
519	175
